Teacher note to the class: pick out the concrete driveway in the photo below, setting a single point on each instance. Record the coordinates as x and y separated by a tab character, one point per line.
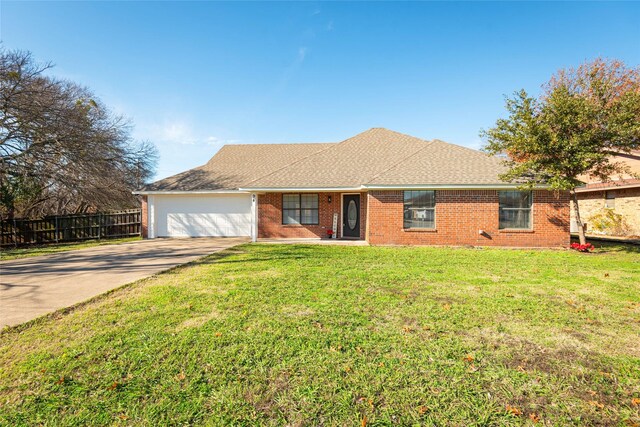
31	287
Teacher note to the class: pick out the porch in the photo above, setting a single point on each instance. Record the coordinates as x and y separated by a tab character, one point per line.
312	216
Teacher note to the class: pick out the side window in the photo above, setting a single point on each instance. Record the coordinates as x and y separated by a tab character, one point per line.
515	209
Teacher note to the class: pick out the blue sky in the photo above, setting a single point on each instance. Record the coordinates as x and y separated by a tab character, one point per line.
193	76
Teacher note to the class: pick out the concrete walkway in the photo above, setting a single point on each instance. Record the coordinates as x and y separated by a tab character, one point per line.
31	287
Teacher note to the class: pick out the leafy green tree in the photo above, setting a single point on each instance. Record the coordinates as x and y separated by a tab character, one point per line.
582	118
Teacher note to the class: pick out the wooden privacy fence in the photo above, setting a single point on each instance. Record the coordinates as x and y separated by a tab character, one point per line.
70	228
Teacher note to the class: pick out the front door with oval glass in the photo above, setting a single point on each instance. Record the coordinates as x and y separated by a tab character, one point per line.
351	215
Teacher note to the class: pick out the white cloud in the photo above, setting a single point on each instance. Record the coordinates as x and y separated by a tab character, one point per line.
176	132
302	52
218	142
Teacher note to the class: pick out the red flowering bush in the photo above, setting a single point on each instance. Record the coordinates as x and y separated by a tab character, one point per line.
587	247
329	233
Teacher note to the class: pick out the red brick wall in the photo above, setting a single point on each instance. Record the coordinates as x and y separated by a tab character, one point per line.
270	217
144	217
460	214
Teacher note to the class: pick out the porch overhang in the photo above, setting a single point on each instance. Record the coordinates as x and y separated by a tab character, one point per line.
301	189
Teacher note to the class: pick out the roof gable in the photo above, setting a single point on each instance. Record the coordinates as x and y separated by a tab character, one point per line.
349	163
234	166
376	157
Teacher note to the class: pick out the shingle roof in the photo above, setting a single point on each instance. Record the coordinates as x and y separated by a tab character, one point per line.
377	156
443	163
383	157
236	165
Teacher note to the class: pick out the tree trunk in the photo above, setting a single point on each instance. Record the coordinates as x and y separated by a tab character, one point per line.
576	210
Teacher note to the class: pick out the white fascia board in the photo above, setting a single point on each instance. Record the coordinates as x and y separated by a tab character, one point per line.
186	193
585	189
300	189
448	187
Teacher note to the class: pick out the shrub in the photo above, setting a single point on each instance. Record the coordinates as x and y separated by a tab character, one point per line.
587	247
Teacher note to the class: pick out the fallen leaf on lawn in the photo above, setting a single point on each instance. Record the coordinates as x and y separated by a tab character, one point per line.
218	334
123	417
347	369
446	307
606	274
60	380
521	368
534	417
513	410
407	329
472	368
592	393
422	410
364	422
181	376
381	365
632	423
596	404
635	401
113	386
469	358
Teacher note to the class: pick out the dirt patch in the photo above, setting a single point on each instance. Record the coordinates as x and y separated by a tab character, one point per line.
198	321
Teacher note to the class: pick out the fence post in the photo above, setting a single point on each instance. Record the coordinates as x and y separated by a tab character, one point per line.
99	225
56	229
15	233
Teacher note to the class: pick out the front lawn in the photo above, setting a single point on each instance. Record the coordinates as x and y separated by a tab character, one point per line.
37	250
333	335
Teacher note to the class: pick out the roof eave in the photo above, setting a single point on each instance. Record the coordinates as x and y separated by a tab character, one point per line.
186	192
366	187
495	186
299	189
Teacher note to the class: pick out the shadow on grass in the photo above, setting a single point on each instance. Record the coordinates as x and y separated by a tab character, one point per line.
603	246
266	253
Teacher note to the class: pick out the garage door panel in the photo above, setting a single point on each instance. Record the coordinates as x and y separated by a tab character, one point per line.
200	224
206	215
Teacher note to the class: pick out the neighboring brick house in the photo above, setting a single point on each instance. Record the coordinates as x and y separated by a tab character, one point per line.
381	186
612	208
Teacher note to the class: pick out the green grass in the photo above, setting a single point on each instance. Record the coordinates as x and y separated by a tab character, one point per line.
329	335
31	251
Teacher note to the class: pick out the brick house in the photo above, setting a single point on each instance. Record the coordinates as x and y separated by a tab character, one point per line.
612	208
380	186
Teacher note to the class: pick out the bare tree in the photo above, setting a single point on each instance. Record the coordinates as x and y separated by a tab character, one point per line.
61	149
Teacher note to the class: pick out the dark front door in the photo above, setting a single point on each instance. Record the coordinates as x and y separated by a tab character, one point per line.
351	215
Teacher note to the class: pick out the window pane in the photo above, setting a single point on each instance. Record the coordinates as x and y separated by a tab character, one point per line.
291	216
419	209
309	201
515	199
290	201
309	216
515	209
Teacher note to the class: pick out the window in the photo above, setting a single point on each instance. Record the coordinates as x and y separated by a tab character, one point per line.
610	199
419	209
515	209
300	209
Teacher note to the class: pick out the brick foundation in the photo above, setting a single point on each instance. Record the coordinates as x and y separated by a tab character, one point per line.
460	214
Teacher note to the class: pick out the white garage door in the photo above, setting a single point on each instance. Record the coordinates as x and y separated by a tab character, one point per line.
204	215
